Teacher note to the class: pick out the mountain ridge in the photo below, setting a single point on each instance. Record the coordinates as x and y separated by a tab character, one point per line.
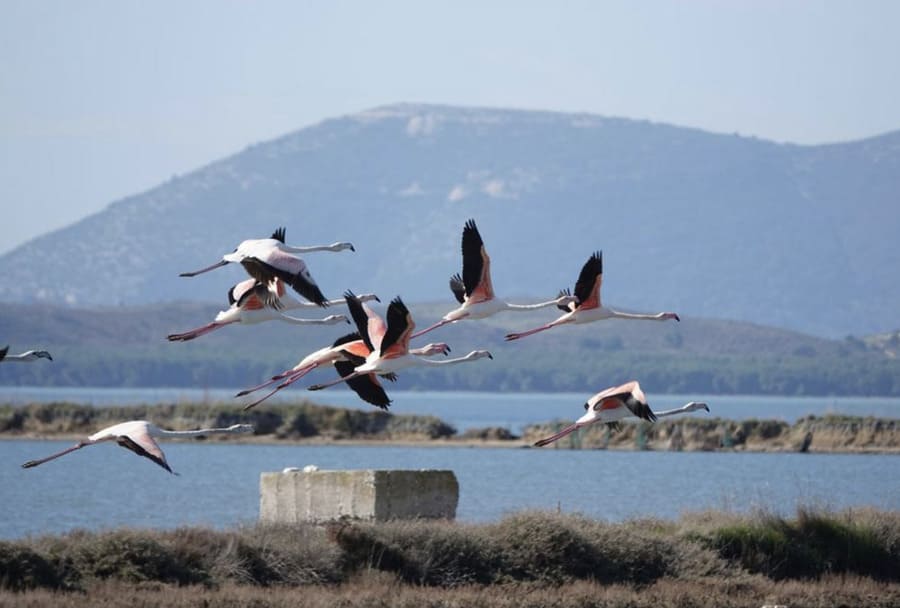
713	225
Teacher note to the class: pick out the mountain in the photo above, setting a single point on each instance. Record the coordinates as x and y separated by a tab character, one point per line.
708	225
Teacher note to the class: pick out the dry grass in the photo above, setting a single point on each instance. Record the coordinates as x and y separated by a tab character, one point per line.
528	559
378	591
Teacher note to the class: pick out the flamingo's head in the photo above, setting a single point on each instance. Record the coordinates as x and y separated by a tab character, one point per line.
479	354
590	416
696	405
241	428
33	355
437	348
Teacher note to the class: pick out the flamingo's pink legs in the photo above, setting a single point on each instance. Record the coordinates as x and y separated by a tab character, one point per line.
527	333
196	333
440	323
202	270
292	376
559	435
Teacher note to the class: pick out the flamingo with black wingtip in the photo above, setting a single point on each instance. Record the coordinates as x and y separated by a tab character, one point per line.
268	259
613	404
587	308
389	345
347	353
474	290
252	302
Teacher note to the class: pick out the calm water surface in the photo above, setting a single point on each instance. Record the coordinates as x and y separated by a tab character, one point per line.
105	486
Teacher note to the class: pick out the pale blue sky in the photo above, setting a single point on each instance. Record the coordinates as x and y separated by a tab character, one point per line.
102	99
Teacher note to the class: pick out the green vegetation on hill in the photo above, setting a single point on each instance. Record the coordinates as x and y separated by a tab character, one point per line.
126	347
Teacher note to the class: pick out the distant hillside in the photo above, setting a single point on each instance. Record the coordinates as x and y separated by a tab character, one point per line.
127	347
709	225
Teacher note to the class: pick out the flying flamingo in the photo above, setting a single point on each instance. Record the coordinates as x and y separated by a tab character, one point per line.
389	345
138	436
613	404
588	308
347	353
28	355
252	302
474	289
266	259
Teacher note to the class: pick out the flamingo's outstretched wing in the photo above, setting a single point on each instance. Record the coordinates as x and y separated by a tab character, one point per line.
587	288
400	326
259	296
565	307
267	264
366	386
476	274
141	443
458	288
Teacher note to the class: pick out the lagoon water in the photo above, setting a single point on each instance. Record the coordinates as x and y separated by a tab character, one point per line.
105	486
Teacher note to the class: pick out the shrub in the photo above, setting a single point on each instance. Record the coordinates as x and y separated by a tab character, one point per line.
23	568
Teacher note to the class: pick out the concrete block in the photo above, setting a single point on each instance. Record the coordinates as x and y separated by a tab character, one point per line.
294	496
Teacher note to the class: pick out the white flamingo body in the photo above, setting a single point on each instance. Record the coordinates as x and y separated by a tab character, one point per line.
388	344
27	357
249	308
474	290
268	259
616	403
139	436
588	308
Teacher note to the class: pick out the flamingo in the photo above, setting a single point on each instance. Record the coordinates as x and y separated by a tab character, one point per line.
618	402
347	353
27	356
588	308
252	302
474	291
266	259
389	345
138	436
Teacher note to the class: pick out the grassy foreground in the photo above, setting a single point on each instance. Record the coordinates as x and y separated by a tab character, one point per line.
528	559
306	421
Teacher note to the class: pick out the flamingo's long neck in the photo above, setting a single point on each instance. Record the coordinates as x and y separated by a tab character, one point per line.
308	249
679	410
157	432
521	307
20	357
434	362
660	316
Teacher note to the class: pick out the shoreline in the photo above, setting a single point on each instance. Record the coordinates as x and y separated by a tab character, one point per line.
449	443
309	424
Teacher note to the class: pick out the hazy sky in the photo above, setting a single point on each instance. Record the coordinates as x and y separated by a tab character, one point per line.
102	99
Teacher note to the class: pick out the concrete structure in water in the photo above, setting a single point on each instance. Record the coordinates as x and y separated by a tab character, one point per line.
315	496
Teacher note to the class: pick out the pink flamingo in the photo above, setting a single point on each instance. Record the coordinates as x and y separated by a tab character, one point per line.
614	404
389	345
266	259
252	302
347	353
588	308
138	436
474	291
